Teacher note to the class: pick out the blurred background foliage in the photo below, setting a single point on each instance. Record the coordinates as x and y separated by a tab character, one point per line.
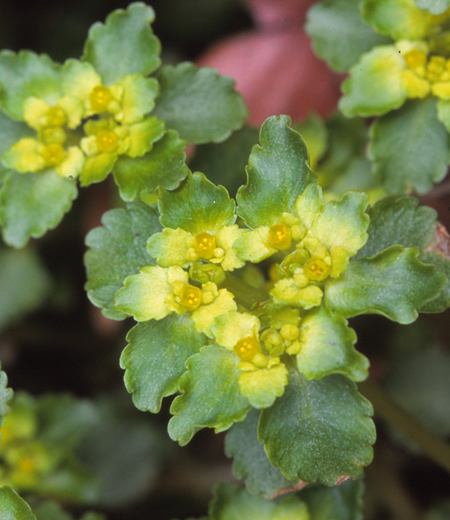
59	350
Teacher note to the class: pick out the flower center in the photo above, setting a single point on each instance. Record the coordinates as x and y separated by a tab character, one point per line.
316	269
280	236
55	116
247	348
107	141
191	297
205	244
100	97
52	135
53	154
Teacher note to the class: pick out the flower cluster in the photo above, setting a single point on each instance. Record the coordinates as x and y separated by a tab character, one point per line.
197	252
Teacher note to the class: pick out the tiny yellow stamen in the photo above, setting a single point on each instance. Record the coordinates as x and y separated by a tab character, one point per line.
247	348
191	297
53	154
100	97
280	236
107	141
415	59
316	269
205	245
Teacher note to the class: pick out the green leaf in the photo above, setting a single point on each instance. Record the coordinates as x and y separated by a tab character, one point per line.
199	103
343	502
53	511
410	148
6	395
30	204
434	6
340	35
327	347
165	165
398	220
24	283
197	205
232	502
277	174
10	132
224	163
250	459
117	250
401	20
442	302
210	395
13	507
124	45
25	75
393	283
319	431
155	358
375	85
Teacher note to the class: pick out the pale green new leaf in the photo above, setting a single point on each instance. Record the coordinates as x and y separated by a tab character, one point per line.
210	395
339	34
434	6
25	75
117	250
10	132
327	347
6	395
232	503
124	45
343	502
13	507
319	431
196	206
277	174
165	166
199	103
393	283
155	358
250	459
410	148
31	204
24	283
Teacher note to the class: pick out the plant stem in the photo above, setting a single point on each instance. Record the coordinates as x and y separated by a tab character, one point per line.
432	445
244	293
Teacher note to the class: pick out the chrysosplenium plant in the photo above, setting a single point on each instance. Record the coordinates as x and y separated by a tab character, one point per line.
86	118
243	307
397	54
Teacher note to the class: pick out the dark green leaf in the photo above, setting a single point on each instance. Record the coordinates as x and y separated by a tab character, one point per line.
210	395
233	503
156	356
25	75
434	6
277	173
343	502
24	283
393	283
165	165
32	203
250	459
124	45
339	32
398	220
13	507
319	431
197	205
225	163
117	250
199	103
410	147
442	302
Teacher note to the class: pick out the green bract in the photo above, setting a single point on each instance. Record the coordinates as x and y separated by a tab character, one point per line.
228	340
404	77
86	118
